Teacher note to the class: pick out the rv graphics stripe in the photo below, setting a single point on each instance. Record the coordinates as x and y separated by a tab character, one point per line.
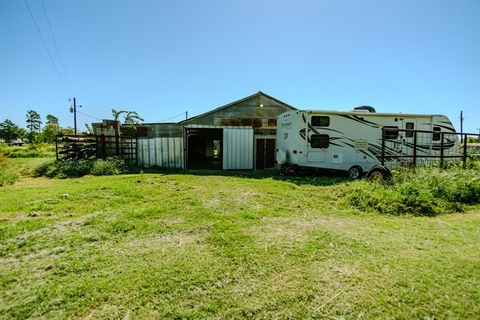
445	127
359	119
449	128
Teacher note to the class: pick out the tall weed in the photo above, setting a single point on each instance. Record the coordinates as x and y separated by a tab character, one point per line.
73	169
7	175
423	191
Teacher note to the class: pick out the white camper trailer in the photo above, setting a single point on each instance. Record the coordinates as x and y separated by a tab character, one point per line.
352	141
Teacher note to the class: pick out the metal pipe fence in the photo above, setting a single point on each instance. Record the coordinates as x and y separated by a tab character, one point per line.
423	147
80	147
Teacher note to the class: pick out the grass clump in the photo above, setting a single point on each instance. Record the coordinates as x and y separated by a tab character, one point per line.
424	191
7	176
74	169
41	150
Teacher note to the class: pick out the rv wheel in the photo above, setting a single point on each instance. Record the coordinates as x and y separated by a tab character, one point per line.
378	174
355	172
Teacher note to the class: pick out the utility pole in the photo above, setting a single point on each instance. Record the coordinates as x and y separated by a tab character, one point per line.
186	115
75	115
74	111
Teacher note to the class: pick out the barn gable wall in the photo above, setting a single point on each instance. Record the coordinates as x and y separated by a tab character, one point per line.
248	110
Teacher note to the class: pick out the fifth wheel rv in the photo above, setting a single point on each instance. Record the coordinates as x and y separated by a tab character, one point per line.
352	141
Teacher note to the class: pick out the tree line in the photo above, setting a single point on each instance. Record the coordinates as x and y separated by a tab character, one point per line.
34	132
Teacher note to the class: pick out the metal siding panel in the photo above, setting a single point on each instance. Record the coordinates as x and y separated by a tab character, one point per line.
171	153
145	153
180	159
233	147
238	153
167	152
247	151
178	152
250	157
225	150
238	138
151	149
164	153
238	148
140	152
158	153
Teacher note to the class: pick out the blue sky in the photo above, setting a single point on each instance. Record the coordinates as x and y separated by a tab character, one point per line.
162	58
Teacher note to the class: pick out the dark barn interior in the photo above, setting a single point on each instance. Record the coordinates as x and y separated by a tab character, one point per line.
205	148
265	157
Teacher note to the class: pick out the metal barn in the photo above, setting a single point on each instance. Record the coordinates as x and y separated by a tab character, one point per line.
237	136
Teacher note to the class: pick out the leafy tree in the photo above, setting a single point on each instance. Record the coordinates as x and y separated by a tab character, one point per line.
132	118
116	114
49	132
51	119
34	123
9	131
88	129
67	130
22	133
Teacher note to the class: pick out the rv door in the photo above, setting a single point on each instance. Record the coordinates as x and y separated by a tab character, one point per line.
317	147
409	138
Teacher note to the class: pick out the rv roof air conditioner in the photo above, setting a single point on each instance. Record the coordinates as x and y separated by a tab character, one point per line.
364	109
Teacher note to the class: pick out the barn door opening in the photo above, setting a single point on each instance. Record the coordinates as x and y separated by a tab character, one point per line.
265	154
205	149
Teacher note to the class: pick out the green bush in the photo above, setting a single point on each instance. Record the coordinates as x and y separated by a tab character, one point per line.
109	167
423	191
73	169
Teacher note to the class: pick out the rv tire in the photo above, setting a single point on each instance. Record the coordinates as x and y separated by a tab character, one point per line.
355	172
378	174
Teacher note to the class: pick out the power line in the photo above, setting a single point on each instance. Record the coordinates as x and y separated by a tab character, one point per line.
178	115
56	45
87	115
46	47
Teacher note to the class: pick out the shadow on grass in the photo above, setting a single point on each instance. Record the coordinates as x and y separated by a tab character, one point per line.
306	178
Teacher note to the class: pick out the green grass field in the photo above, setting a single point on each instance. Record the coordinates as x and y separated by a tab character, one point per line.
208	246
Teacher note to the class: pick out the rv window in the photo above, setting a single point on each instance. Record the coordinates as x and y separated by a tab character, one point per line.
411	126
391	132
320	121
436	136
319	140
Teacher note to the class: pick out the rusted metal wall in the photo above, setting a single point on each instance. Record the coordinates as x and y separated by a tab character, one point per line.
164	130
257	112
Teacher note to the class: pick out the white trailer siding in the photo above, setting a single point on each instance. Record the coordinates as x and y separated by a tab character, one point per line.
238	148
161	152
347	139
